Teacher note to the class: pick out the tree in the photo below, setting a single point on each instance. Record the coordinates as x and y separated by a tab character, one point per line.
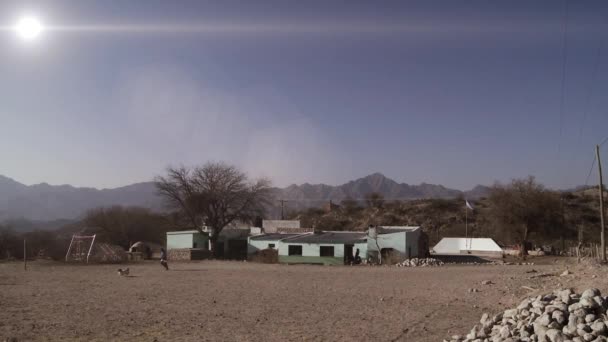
214	195
374	199
349	206
126	225
527	207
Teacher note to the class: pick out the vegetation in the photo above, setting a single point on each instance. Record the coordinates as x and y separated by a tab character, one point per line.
521	212
214	195
124	226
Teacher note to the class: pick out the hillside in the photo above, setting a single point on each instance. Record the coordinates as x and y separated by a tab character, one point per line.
44	202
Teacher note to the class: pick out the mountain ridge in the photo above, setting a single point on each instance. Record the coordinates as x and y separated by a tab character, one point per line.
45	202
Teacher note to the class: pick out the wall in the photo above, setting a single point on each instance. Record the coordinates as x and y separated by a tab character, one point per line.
311	254
399	241
175	241
256	245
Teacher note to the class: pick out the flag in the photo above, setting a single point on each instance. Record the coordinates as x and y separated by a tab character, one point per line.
468	204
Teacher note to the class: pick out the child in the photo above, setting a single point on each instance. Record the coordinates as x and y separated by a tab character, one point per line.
163	259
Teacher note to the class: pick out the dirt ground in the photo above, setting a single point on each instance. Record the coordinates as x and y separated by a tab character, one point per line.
243	301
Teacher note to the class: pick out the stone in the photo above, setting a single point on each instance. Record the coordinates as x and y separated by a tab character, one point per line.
590	293
590	318
566	272
555	335
487	282
599	328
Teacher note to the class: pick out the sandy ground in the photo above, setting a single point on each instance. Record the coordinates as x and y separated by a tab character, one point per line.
238	301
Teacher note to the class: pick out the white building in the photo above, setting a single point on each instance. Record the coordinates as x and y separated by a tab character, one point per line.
474	246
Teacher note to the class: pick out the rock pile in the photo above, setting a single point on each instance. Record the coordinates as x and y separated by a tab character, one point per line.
420	262
560	316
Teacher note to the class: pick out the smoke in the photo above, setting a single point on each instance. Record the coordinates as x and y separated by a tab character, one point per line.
171	119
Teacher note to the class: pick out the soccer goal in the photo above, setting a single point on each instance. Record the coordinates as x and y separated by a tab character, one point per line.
80	248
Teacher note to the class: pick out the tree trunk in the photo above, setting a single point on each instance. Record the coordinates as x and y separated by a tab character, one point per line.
523	250
213	245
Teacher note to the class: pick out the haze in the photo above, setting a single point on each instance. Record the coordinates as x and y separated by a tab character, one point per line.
452	93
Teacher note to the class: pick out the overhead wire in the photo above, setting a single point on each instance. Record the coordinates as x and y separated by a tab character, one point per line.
563	80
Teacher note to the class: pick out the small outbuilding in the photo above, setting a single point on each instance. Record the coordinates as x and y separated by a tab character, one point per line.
325	248
187	245
473	246
399	241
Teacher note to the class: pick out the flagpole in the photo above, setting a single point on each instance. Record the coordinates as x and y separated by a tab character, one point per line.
466	224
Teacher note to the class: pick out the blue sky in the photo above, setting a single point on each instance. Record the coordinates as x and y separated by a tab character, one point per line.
451	92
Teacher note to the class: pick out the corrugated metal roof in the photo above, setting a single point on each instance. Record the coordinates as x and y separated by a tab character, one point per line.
273	237
183	232
397	229
332	237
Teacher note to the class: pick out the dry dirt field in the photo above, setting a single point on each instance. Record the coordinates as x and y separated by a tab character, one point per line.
239	301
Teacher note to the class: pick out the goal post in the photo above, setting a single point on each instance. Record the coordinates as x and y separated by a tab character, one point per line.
78	250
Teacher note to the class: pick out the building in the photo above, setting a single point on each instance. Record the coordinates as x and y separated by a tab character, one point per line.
266	241
187	245
272	226
473	246
399	241
326	248
339	247
195	245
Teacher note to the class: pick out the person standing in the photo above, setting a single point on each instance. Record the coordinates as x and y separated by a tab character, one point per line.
163	258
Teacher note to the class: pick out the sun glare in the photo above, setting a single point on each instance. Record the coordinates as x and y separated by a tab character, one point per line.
28	28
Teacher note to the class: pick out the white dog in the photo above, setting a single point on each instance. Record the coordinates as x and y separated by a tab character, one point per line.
124	272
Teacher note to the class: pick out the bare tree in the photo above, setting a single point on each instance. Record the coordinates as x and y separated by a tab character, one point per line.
526	206
214	195
126	225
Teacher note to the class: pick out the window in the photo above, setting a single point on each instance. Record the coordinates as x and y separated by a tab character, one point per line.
295	250
327	251
271	245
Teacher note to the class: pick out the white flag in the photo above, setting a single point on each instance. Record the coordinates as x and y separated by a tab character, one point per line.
468	204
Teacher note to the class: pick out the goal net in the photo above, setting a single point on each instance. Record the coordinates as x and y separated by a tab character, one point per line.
80	248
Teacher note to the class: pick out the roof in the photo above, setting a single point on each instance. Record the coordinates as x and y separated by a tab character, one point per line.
331	237
295	230
455	245
273	237
397	229
183	232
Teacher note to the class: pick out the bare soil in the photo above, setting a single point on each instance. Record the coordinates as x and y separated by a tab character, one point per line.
244	301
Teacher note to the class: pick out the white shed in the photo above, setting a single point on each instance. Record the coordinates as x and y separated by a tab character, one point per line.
477	246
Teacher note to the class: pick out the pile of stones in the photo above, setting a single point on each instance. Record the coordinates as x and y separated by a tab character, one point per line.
560	316
420	262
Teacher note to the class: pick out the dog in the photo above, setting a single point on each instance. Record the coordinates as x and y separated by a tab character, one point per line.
124	272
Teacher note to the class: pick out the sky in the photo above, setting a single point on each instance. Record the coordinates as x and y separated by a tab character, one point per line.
449	92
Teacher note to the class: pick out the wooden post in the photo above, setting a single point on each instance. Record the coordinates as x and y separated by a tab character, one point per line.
24	255
601	188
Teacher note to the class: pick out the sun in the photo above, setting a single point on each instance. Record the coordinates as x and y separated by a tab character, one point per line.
28	28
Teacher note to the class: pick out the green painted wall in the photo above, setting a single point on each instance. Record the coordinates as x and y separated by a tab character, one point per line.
285	259
176	241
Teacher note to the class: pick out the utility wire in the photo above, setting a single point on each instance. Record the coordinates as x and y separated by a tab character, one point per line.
563	82
604	141
596	65
590	170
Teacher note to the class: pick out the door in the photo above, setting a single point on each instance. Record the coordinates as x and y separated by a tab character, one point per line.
348	254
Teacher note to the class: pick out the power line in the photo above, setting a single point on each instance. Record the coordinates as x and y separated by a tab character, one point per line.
604	141
563	82
590	170
596	65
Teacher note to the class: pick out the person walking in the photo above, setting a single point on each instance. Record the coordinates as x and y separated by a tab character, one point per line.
163	258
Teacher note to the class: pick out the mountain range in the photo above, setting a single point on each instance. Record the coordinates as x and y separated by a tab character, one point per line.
44	202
